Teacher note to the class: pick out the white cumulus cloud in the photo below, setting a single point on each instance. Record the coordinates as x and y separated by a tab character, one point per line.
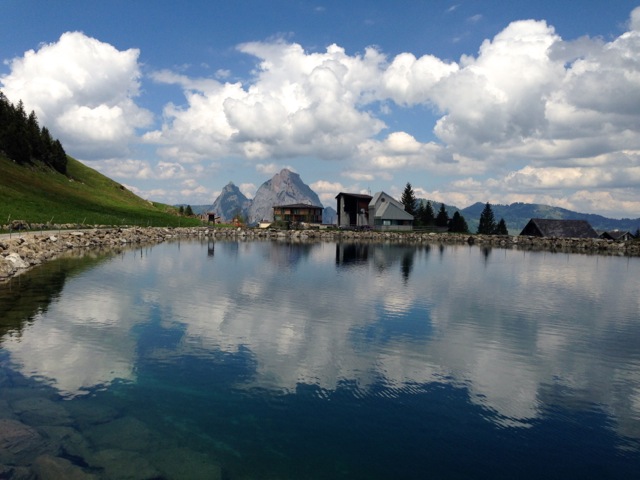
83	90
296	104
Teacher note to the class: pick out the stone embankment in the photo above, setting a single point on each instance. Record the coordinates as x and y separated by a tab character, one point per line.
568	245
20	251
26	249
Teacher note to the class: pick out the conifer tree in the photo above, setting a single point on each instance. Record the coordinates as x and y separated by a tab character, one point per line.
409	200
442	219
458	224
22	140
429	215
420	213
487	223
501	228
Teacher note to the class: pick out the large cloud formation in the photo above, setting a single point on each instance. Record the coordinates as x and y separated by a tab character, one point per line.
297	104
531	117
84	91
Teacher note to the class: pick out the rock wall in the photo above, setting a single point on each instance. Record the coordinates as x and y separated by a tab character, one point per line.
568	245
22	251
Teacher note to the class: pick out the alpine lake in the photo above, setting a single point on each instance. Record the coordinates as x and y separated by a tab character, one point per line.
279	360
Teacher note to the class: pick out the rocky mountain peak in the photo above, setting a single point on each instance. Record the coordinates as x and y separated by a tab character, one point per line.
230	202
285	187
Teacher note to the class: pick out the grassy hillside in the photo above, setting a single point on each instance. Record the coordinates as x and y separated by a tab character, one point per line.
39	194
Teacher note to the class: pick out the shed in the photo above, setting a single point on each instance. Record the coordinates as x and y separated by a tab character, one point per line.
544	227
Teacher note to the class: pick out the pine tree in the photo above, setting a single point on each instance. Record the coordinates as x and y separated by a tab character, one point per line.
429	215
188	211
487	223
409	200
501	229
420	213
58	157
22	140
442	219
458	224
34	138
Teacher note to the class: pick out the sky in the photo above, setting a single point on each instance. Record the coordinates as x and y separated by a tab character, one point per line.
468	101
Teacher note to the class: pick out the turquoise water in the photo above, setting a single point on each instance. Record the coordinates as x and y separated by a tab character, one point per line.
274	360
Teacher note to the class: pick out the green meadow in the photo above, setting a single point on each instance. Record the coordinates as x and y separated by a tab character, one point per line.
36	193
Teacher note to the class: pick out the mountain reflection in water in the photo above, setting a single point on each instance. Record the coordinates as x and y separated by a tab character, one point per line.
355	360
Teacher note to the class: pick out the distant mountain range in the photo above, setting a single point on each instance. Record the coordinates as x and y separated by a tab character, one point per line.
286	187
517	215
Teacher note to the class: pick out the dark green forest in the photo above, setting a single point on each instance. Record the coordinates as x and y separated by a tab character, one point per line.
24	141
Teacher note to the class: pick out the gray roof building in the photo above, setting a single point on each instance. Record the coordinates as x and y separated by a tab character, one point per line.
543	227
387	213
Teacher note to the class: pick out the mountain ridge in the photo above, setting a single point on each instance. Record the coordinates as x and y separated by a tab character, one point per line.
287	187
517	215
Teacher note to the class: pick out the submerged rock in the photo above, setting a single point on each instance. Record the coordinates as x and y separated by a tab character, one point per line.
48	467
41	411
19	443
125	465
126	433
182	463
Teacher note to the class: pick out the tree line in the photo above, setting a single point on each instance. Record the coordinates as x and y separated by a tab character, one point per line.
425	216
24	141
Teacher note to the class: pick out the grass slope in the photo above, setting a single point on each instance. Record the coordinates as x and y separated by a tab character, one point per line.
38	194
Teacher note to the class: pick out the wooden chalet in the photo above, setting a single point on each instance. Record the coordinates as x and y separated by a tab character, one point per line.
297	213
543	227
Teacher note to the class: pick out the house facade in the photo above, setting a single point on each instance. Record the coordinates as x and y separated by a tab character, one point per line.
386	213
543	227
353	209
297	213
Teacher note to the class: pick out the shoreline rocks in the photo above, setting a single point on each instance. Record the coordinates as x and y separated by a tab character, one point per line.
21	251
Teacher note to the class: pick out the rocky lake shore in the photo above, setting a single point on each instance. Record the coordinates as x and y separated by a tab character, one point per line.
22	250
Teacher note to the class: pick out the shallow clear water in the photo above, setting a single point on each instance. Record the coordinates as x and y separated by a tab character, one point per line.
277	360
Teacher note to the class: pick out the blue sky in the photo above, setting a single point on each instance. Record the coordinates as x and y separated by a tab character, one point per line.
468	100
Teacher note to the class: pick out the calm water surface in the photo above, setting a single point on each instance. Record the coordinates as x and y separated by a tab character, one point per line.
267	360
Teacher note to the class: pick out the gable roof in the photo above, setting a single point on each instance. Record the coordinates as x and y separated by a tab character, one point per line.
388	208
545	227
385	197
616	235
390	211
